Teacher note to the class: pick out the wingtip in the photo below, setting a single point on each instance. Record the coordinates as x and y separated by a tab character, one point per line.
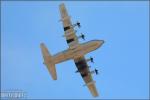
62	4
54	79
41	45
95	95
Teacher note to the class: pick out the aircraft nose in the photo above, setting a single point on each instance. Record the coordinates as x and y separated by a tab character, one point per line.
99	42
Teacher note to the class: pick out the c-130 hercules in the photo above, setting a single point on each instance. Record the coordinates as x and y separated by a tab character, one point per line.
76	51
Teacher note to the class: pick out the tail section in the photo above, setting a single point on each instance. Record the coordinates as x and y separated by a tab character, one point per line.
48	61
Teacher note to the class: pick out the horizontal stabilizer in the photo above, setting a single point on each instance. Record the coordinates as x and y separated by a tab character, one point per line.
48	61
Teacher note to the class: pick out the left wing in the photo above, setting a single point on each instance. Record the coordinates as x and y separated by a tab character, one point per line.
70	35
83	68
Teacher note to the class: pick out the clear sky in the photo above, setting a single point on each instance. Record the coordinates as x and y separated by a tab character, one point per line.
123	61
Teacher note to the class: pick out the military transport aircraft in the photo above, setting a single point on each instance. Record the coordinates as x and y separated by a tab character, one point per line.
76	52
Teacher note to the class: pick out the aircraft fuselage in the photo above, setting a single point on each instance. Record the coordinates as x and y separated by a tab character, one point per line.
78	51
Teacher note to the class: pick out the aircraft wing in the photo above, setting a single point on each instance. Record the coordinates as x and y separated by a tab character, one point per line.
72	41
69	31
83	68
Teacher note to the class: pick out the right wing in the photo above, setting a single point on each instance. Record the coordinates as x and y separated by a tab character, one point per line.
70	35
83	68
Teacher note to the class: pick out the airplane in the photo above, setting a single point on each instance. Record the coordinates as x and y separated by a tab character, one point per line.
75	51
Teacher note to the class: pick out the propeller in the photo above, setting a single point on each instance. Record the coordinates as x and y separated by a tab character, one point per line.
78	24
83	36
96	71
91	59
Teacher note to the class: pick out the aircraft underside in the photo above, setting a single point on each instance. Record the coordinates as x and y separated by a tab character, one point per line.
76	52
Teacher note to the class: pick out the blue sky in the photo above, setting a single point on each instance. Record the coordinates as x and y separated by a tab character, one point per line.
123	61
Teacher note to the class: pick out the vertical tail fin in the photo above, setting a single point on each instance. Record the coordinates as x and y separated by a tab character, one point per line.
48	61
